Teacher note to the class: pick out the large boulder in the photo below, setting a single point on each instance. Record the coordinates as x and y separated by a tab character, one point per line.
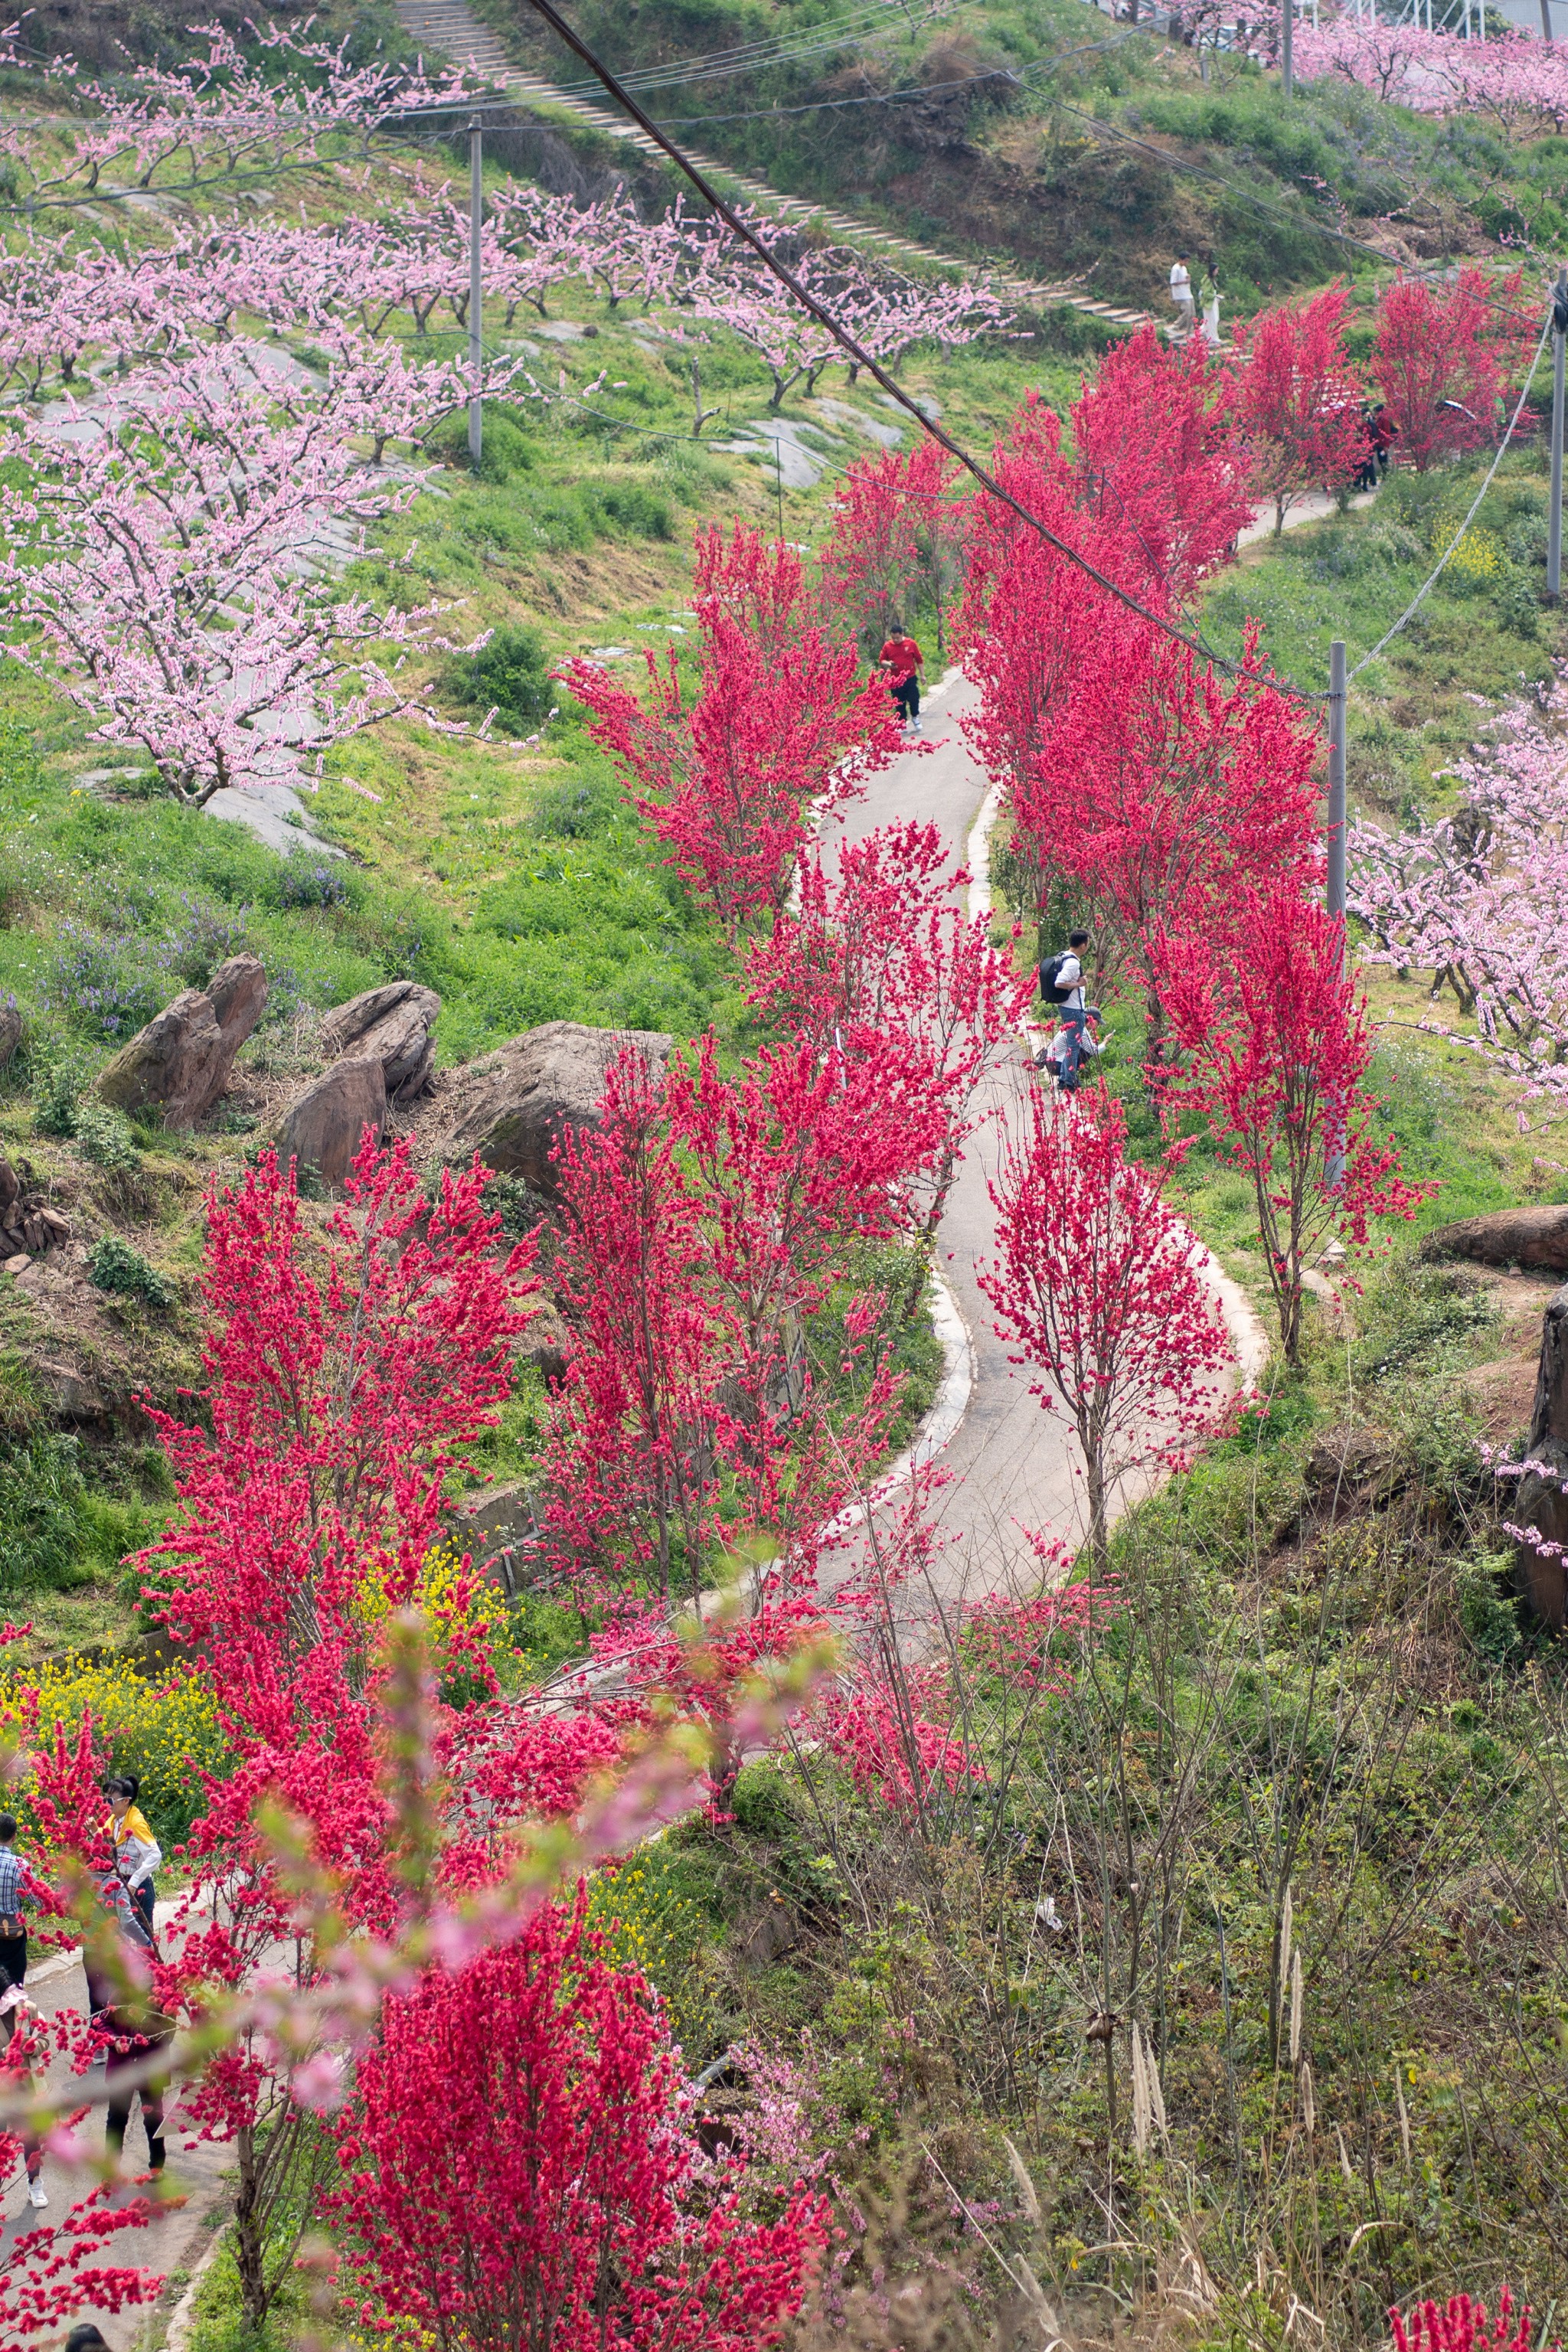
179	1062
516	1105
323	1126
1541	1502
397	1023
1535	1237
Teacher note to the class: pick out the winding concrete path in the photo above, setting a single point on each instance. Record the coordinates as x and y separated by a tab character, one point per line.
1010	1464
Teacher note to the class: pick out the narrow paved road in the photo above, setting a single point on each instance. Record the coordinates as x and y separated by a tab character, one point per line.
1010	1464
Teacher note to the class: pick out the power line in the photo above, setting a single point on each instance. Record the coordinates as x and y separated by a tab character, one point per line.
913	89
862	358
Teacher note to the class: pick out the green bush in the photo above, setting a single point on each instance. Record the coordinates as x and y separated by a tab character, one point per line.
1518	604
508	674
1487	1609
115	1266
630	506
503	449
56	1092
102	1135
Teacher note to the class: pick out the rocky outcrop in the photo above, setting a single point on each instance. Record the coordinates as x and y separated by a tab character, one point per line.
1536	1238
499	1529
516	1105
322	1128
179	1062
397	1025
1540	1503
28	1225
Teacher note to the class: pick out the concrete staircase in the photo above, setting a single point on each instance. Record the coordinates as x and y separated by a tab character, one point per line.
452	29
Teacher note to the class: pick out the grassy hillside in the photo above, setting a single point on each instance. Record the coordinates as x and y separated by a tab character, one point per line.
1040	130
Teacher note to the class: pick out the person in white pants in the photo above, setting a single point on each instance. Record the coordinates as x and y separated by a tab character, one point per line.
1182	295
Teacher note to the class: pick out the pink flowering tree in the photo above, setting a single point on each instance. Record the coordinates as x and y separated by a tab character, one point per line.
1475	900
163	560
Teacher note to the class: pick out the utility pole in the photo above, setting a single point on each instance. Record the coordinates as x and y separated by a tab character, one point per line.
1559	340
475	288
1287	61
1546	19
1334	1160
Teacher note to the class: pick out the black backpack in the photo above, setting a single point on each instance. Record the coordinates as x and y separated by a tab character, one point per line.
1051	992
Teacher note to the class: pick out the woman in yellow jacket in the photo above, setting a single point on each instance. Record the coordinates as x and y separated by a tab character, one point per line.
137	1852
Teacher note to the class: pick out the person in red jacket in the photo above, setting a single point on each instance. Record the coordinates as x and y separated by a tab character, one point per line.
902	662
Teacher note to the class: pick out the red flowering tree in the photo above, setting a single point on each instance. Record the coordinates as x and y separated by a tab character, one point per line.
520	2176
1097	1283
1132	770
1278	1045
896	541
640	1428
781	724
883	972
1295	402
1439	361
1461	2325
349	1372
1156	452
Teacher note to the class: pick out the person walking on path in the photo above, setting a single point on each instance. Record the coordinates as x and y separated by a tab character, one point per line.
901	664
133	2032
137	1852
1061	985
1208	287
13	1926
1182	296
14	2002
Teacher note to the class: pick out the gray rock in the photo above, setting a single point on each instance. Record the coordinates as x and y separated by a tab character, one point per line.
516	1105
322	1128
397	1025
69	1391
1540	1503
1507	1237
181	1061
499	1529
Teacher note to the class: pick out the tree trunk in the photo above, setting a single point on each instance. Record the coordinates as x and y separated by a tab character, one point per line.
249	2247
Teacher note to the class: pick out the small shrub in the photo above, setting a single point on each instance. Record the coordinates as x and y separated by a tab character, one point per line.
298	883
102	984
1488	1610
1518	604
207	938
57	1093
115	1266
631	506
504	450
102	1135
508	674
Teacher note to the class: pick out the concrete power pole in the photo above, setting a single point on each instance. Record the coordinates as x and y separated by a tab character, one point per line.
1559	340
475	288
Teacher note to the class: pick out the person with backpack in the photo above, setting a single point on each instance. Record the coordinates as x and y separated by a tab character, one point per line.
1061	985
